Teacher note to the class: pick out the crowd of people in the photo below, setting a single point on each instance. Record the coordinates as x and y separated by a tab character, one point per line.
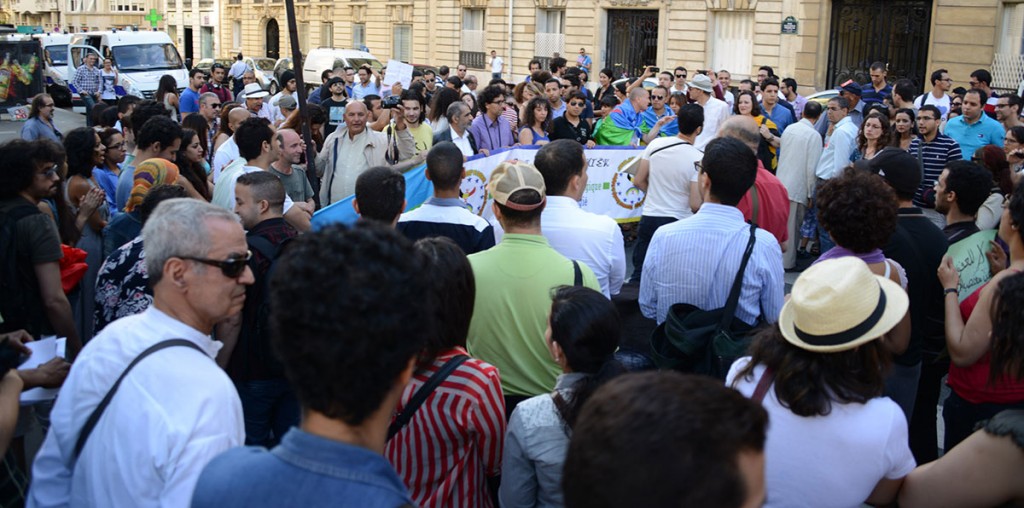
432	357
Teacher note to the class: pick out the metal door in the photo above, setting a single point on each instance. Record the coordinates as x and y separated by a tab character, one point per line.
632	41
894	32
273	33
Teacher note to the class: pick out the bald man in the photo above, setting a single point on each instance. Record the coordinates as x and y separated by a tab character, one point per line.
772	198
287	167
228	151
352	149
622	126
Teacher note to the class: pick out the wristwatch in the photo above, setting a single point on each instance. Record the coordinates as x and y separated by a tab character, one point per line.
949	291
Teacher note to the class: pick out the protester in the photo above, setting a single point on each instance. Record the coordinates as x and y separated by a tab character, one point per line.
1014	144
465	419
536	123
445	213
381	190
768	143
190	159
40	123
224	130
348	349
128	225
161	139
122	284
981	339
459	117
490	129
582	335
959	192
165	406
993	159
694	261
687	441
716	111
975	129
668	175
820	375
799	153
904	128
107	172
516	277
287	167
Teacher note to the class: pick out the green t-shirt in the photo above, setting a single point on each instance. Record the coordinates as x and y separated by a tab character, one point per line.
510	315
296	185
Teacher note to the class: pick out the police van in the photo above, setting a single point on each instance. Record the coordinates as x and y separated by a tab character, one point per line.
140	58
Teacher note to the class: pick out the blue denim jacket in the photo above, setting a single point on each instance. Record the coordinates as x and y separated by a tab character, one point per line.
304	470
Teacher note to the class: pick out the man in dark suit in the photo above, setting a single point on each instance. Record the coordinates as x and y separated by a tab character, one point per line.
459	119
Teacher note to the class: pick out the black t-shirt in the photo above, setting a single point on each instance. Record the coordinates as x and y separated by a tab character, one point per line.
918	245
335	114
562	129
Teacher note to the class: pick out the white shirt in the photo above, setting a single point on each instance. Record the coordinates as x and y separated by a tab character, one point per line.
798	157
227	152
224	191
829	461
715	113
838	149
671	172
496	64
592	239
463	142
171	415
266	111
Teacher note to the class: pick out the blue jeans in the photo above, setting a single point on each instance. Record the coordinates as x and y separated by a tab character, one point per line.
270	409
90	103
648	225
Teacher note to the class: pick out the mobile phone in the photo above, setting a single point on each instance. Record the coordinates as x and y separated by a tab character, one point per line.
654	69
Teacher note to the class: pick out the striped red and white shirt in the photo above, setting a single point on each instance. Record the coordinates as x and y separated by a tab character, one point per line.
453	442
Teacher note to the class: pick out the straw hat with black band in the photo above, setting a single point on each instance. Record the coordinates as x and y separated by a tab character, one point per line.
839	304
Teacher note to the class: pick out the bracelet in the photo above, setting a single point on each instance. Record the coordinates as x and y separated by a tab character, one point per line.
949	291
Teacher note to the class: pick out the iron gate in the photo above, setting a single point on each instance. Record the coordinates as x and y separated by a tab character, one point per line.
632	41
894	32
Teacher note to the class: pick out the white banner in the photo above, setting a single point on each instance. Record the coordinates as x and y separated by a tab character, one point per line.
610	189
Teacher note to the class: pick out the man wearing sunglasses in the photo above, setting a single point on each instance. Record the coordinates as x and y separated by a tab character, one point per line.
658	119
174	413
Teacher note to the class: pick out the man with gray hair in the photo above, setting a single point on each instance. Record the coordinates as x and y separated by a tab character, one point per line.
460	117
170	415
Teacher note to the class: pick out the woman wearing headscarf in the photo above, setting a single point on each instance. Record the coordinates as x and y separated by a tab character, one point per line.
126	226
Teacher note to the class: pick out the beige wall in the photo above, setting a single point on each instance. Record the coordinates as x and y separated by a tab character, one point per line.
684	28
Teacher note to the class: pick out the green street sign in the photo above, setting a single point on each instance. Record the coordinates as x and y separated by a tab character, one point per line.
789	25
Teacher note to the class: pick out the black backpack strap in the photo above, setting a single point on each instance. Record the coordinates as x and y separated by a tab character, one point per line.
577	274
421	395
97	413
263	246
668	146
737	284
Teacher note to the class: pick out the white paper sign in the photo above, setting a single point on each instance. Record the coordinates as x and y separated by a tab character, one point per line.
43	350
397	72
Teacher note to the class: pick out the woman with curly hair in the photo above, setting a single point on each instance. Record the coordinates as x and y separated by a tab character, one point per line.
993	158
582	336
859	210
768	148
873	136
526	94
820	374
983	338
536	122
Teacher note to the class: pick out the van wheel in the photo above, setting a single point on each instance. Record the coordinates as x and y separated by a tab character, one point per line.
61	95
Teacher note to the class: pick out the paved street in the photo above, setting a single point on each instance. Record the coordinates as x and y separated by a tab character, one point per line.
66	121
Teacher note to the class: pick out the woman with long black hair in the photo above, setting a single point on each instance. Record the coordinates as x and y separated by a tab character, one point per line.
583	334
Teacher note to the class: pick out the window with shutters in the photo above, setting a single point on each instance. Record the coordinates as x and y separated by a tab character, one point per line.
731	50
358	35
402	43
1008	61
550	36
474	39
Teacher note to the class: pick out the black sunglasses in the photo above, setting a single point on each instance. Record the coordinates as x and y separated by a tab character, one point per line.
232	267
680	75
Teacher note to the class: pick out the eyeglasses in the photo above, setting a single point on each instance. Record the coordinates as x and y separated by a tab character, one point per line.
462	70
578	104
681	75
54	169
232	267
500	102
563	86
658	97
215	105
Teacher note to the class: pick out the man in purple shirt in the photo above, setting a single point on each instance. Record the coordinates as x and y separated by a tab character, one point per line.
490	130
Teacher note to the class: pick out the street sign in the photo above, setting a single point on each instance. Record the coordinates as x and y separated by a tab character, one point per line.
789	25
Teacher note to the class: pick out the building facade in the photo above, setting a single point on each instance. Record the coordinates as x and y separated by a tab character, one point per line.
192	24
93	15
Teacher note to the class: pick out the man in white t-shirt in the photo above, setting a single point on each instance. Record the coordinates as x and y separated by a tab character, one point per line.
716	111
497	65
668	174
937	97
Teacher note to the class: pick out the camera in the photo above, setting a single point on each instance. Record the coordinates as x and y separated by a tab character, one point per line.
390	102
655	69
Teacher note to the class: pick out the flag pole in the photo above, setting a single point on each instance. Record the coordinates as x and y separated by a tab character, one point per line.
304	107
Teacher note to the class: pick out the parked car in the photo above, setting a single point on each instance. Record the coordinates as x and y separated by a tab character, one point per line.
262	67
649	83
283	64
823	96
331	58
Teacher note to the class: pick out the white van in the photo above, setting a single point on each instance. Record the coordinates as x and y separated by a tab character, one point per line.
141	58
321	59
55	65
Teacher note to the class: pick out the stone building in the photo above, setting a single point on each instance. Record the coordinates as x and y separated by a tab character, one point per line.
192	24
92	15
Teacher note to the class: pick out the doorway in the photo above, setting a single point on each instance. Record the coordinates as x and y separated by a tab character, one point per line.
632	41
188	44
273	33
894	32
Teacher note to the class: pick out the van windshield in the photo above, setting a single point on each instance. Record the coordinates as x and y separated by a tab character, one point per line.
58	54
146	57
356	63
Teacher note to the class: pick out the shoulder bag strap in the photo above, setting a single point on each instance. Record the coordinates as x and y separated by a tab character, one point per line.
577	274
673	145
754	205
421	395
97	413
737	284
762	385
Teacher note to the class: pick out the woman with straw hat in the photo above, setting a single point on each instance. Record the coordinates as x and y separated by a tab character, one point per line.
834	440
